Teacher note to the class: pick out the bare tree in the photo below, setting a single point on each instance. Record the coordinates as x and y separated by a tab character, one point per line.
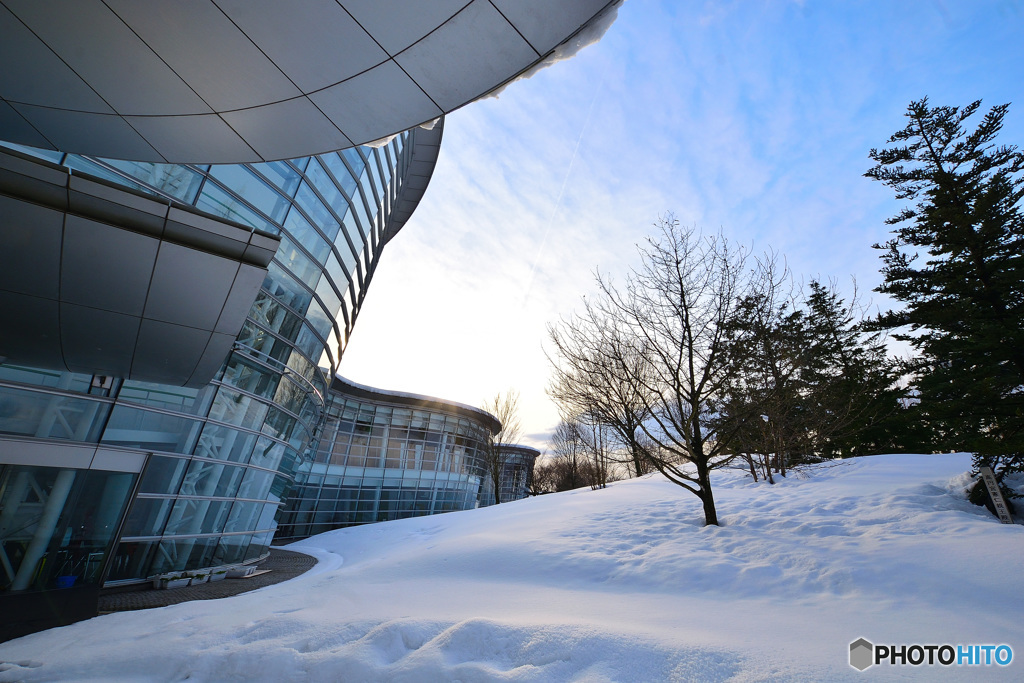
545	476
586	380
584	448
662	335
599	452
568	453
505	407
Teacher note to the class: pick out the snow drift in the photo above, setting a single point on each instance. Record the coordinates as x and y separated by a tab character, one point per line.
622	584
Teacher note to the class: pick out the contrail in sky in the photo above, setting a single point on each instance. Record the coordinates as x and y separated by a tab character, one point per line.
558	201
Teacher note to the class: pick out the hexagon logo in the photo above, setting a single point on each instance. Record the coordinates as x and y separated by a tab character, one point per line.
861	654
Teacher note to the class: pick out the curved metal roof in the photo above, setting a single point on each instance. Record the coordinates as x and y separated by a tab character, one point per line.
426	145
519	449
347	387
228	81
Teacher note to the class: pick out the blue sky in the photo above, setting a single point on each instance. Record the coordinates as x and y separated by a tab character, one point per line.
753	118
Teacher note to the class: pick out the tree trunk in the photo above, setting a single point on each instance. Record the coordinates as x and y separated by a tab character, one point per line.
706	497
638	463
496	481
710	514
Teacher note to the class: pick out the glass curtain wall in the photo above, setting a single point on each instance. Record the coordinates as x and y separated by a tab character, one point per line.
57	524
380	461
516	474
222	458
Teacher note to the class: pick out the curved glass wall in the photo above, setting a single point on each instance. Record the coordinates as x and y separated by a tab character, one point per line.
221	459
57	524
516	474
388	457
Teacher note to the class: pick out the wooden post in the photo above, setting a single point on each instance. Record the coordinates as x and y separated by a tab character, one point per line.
998	501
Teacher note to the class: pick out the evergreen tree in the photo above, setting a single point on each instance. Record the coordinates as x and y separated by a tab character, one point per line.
850	381
807	380
964	295
764	407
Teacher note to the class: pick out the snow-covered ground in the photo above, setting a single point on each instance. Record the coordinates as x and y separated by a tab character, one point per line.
622	584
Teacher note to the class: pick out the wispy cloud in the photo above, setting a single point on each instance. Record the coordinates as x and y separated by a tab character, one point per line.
753	118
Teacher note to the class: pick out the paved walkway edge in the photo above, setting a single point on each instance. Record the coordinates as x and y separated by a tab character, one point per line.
280	566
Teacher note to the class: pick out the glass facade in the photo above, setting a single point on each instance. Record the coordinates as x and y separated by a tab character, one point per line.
107	478
388	456
57	524
516	474
218	460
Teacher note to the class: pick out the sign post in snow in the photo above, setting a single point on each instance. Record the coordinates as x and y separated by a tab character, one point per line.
997	496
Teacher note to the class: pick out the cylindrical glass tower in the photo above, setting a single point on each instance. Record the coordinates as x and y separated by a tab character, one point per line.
388	455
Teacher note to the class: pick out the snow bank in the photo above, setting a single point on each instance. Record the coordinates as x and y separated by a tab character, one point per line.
586	36
622	584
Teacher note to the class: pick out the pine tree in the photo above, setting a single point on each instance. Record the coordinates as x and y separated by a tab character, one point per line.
806	381
851	382
964	295
764	408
